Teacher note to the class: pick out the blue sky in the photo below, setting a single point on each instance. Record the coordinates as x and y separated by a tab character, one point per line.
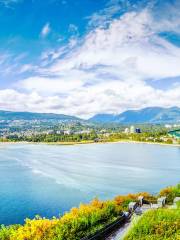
85	57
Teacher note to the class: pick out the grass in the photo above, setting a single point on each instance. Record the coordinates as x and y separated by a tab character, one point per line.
160	224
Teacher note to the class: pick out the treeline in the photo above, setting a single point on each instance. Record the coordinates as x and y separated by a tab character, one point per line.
153	136
54	137
79	222
159	137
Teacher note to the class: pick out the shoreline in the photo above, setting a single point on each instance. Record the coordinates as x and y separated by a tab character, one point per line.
90	142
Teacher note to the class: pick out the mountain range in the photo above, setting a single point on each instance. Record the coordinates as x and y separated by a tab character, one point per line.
7	115
145	115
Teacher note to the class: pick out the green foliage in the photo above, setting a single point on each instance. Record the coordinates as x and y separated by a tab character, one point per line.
170	192
89	218
74	225
160	224
152	136
6	232
54	137
156	134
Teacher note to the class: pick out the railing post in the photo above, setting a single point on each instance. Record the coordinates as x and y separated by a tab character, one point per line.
161	201
140	199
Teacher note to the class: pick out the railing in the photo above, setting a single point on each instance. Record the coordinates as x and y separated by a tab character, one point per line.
108	229
150	201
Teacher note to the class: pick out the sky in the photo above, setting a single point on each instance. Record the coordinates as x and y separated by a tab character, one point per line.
85	57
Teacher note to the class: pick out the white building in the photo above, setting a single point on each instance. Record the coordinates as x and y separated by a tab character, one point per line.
168	126
126	130
132	129
59	132
68	132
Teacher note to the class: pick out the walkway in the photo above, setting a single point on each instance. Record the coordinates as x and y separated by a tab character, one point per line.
118	234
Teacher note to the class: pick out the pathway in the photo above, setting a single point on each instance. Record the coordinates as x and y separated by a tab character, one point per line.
118	234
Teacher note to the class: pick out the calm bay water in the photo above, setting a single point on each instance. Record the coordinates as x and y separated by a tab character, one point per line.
48	179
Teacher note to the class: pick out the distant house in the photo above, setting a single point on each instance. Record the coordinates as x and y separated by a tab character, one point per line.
48	132
132	129
168	126
83	132
138	130
126	130
60	132
68	132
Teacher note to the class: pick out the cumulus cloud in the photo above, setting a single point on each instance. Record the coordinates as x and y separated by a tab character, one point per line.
109	70
111	98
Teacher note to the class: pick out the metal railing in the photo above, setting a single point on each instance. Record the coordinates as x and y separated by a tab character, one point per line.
108	229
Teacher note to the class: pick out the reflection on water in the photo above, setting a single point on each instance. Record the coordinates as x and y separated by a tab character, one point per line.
48	180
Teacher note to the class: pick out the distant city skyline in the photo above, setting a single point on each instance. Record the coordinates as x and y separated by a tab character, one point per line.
86	57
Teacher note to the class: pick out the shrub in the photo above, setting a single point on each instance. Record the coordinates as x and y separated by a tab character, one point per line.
36	229
6	232
157	224
74	225
88	218
170	193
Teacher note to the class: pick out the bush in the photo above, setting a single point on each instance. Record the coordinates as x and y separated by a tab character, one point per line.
74	225
6	232
89	218
160	224
170	193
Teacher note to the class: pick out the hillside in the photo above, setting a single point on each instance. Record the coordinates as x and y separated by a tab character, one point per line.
146	115
7	115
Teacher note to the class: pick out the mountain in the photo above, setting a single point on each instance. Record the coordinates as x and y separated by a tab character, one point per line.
7	115
145	115
103	118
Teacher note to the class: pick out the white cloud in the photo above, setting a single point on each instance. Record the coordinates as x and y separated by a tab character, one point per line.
50	86
107	71
103	17
130	46
26	102
45	30
167	16
112	97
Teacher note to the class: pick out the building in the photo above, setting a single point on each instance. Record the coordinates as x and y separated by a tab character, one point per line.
60	132
138	130
126	130
168	126
68	132
48	132
83	132
132	129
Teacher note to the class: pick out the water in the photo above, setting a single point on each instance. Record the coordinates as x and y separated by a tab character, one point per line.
48	179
